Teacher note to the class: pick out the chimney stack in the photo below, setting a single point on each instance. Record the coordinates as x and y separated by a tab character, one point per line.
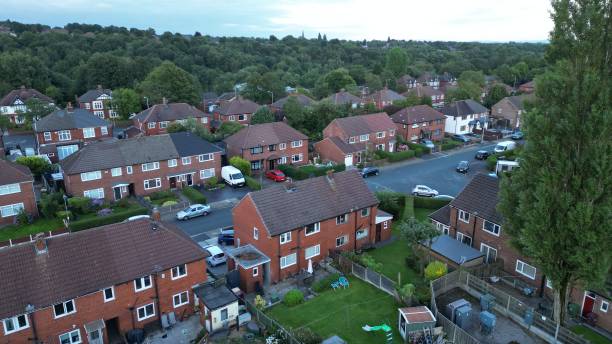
40	243
330	179
69	107
289	186
156	215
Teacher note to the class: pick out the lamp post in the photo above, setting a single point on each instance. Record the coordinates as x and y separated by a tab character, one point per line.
67	219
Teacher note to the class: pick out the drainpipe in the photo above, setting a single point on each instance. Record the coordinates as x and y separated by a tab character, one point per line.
157	269
30	314
474	228
355	232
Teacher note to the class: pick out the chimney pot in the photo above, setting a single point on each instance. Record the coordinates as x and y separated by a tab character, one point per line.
156	215
40	243
69	107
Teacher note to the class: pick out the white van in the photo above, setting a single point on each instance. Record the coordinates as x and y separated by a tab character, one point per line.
505	146
232	176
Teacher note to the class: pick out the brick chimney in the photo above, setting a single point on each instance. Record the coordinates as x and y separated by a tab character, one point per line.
289	185
40	243
69	107
155	215
330	179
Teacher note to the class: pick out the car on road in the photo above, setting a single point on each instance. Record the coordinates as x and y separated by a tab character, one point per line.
424	190
192	211
482	155
369	171
276	175
428	144
505	146
461	138
463	166
217	256
226	236
517	135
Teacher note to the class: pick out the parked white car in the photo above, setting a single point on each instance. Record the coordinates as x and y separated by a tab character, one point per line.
232	176
217	256
192	211
424	190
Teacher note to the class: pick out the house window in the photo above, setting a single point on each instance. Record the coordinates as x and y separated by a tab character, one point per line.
380	147
116	172
362	233
10	189
462	128
424	124
109	294
296	157
364	137
489	252
287	261
380	134
72	337
312	251
89	133
88	106
255	165
64	308
47	136
313	228
163	124
341	219
256	150
180	299
179	271
94	193
99	114
142	283
466	239
282	146
207	173
152	183
296	144
11	210
172	163
128	169
87	176
285	238
150	166
242	117
64	135
442	228
232	118
204	120
352	139
282	160
525	269
392	132
365	212
415	125
15	324
151	125
255	271
224	314
491	227
464	216
205	157
146	312
255	233
98	105
186	160
340	241
271	148
604	306
113	114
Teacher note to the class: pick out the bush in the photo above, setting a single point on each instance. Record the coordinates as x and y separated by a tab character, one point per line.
390	201
169	203
105	220
429	202
306	336
193	195
293	298
418	149
491	162
159	195
241	164
51	203
62	214
80	205
435	270
260	302
36	164
423	294
325	283
400	156
381	154
252	183
305	172
23	217
122	203
449	144
212	182
370	263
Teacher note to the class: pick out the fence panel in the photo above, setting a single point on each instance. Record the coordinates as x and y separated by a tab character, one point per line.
453	332
269	323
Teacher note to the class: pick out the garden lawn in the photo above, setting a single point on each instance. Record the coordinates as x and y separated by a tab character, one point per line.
343	313
393	258
422	213
591	335
39	225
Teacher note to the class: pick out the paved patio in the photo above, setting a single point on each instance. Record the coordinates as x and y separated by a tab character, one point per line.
182	333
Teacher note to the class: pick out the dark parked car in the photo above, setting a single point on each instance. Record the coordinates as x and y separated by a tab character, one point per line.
461	138
369	171
517	135
482	155
226	236
463	166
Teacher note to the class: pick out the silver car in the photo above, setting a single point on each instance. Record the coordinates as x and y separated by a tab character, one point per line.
424	190
192	211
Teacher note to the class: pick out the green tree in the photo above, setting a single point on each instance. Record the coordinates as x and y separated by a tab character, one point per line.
338	79
229	128
557	206
415	232
37	165
373	82
295	114
126	102
396	61
496	93
241	164
172	82
37	109
263	115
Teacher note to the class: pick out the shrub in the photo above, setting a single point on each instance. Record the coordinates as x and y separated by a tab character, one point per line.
429	203
418	149
435	269
62	214
193	195
260	302
105	220
23	217
423	294
80	205
390	201
370	263
36	164
449	144
252	183
241	164
400	156
51	203
491	162
161	195
306	336
293	298
325	283
212	182
381	154
169	203
122	203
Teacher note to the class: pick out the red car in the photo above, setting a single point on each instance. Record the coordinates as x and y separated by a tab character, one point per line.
276	175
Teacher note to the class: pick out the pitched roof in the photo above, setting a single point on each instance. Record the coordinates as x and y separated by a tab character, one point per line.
342	98
416	114
364	124
518	102
423	91
301	99
92	95
344	147
138	150
441	215
169	112
65	119
23	94
480	198
386	95
311	200
264	134
463	107
99	257
14	173
237	106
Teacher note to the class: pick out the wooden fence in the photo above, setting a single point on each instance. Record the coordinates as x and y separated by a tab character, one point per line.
270	324
368	275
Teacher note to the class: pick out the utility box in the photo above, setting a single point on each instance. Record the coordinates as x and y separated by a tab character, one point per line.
452	307
462	316
487	301
528	317
487	322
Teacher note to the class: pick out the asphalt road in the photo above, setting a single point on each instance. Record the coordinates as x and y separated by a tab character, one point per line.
205	227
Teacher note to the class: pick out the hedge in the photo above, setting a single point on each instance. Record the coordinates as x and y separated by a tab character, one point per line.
430	203
450	145
391	201
161	195
194	195
400	156
293	298
305	172
252	183
105	220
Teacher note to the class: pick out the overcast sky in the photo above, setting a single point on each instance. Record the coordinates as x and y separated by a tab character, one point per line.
449	20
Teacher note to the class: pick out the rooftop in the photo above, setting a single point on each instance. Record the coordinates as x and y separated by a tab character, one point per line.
480	198
247	256
364	124
23	94
169	112
13	173
454	250
264	134
237	106
69	118
416	114
463	108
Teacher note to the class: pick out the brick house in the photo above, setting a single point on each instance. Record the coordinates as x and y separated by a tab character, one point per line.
16	191
596	301
347	139
155	120
464	115
293	223
436	96
64	132
528	87
268	145
139	166
384	98
99	102
407	81
303	100
428	79
419	122
508	111
93	286
236	110
345	98
14	103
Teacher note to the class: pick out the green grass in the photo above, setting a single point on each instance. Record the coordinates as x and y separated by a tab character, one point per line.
343	313
591	335
393	259
39	225
422	213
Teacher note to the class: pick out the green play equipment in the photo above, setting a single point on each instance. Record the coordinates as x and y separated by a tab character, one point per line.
384	327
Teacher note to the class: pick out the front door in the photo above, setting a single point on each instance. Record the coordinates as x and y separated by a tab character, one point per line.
391	147
378	232
189	179
587	303
117	192
172	182
271	164
95	337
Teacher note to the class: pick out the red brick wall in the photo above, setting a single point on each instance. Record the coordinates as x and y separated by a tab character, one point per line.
406	131
333	129
76	187
26	196
287	152
328	151
92	307
75	135
604	319
158	130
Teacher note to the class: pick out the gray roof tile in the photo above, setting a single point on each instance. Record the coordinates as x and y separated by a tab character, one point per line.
264	134
480	198
67	119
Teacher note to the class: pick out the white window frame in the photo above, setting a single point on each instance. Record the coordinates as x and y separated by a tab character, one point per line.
104	294
128	169
342	221
93	175
232	118
104	130
256	271
186	160
150	166
317	251
205	157
207	173
495	226
364	137
459	236
142	283
15	324
14	208
296	144
175	272
386	225
442	228
64	135
351	139
284	238
462	214
151	125
172	163
344	240
299	157
89	133
602	308
163	124
66	313
47	135
69	334
367	212
10	189
255	233
156	184
283	260
146	316
97	105
182	301
522	265
488	248
116	171
380	134
282	146
317	229
364	233
94	193
204	120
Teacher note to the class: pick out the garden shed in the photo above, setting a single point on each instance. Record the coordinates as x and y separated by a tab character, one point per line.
414	320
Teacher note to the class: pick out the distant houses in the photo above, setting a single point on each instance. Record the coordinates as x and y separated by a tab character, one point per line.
14	104
99	102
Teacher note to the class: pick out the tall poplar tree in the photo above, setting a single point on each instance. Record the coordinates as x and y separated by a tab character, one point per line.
557	206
